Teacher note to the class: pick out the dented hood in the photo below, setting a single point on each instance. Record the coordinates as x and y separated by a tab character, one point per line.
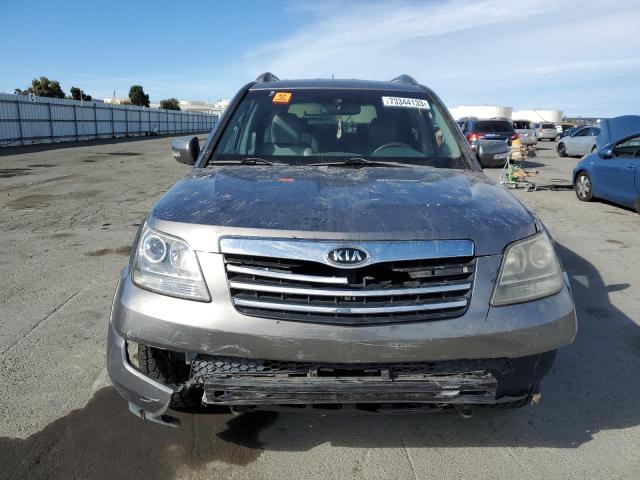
350	203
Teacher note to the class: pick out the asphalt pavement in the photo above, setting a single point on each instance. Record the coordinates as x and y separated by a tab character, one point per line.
67	218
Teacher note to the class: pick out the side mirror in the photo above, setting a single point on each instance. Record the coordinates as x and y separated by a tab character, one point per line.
185	150
605	153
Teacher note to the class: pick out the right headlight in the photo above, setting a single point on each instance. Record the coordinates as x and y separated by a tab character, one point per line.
529	270
166	264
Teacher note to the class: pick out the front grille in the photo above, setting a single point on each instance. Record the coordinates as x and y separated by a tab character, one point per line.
205	366
387	292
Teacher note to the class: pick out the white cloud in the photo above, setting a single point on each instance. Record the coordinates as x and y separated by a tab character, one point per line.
486	51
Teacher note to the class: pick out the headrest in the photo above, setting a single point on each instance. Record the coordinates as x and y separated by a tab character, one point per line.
285	129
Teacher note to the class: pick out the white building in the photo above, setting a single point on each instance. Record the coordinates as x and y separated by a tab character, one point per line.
117	101
553	116
494	111
480	111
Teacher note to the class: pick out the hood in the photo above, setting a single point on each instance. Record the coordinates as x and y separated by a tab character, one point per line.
614	129
355	203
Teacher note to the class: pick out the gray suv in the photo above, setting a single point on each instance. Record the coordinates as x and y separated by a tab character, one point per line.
336	245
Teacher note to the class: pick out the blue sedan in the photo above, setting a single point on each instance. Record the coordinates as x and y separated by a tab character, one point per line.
613	172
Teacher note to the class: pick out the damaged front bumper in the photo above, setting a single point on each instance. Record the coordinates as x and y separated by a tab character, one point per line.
147	398
249	382
524	336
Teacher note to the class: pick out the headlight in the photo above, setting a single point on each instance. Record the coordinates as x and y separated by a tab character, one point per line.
167	265
530	270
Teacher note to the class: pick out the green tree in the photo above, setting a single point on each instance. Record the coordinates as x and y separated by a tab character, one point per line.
170	104
78	94
138	97
43	87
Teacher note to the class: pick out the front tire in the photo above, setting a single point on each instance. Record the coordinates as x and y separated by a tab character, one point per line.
584	187
562	150
169	368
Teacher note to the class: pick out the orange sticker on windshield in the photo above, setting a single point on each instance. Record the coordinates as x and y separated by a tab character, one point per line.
282	97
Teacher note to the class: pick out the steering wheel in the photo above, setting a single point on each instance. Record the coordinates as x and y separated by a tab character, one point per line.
392	144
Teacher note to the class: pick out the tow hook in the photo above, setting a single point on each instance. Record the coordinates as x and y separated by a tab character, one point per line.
166	420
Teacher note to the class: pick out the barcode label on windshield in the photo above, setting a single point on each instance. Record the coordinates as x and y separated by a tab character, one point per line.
404	102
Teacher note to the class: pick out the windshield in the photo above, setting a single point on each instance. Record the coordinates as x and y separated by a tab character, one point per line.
521	125
305	126
547	125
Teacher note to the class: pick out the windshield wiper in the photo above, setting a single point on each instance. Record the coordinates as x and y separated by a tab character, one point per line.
357	162
242	161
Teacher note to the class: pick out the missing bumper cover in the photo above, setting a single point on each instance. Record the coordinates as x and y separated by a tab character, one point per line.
237	381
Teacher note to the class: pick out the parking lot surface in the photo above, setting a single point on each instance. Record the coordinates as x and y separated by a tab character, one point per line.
68	216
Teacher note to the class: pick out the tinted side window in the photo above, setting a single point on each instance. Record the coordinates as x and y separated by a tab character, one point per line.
582	133
493	126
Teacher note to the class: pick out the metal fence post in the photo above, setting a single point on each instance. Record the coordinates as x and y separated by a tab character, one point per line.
75	122
113	124
20	122
95	118
50	122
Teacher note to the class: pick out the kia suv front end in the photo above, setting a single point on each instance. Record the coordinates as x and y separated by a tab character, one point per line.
336	245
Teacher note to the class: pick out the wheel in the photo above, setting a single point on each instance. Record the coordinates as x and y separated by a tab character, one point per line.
169	368
562	150
584	187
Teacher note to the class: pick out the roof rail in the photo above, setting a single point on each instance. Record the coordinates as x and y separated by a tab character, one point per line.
404	78
267	77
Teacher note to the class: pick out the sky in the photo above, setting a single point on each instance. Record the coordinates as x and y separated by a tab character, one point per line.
581	57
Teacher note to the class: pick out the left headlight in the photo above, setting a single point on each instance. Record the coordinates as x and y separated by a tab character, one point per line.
529	270
167	265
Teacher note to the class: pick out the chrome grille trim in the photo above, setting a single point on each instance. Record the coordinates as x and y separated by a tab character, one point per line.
412	281
265	272
316	251
349	310
440	288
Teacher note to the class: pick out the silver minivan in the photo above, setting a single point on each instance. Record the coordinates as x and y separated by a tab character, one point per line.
526	132
546	131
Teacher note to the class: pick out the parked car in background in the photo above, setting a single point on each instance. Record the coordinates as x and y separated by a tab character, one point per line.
546	131
570	131
613	172
524	128
581	142
490	139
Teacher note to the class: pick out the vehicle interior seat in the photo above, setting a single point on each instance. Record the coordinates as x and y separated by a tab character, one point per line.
284	136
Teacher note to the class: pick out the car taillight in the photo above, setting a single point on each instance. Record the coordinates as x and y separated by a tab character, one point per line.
515	136
474	136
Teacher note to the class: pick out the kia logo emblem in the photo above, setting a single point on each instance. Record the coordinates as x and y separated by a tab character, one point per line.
347	256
